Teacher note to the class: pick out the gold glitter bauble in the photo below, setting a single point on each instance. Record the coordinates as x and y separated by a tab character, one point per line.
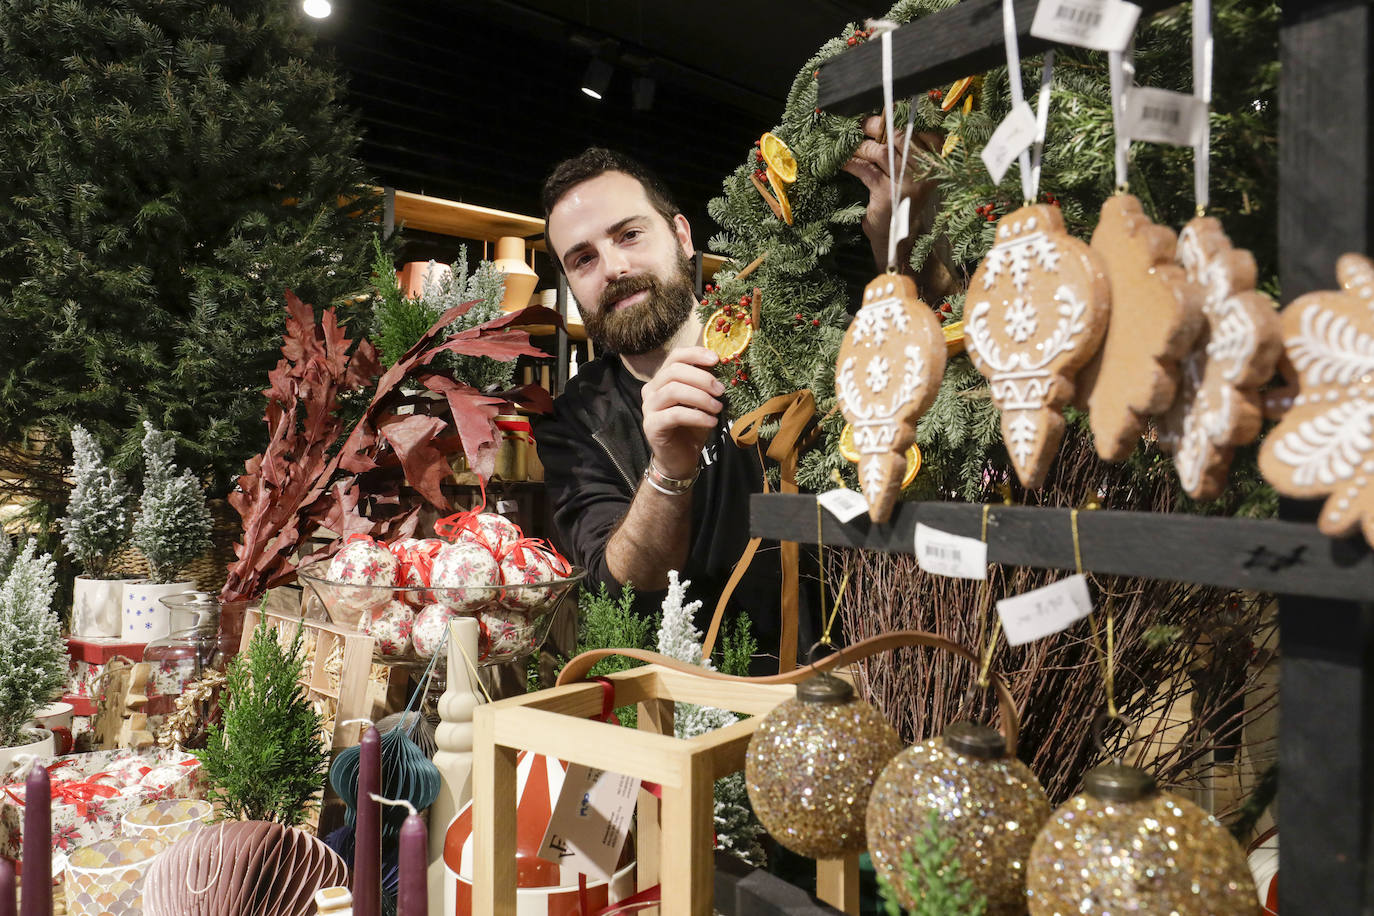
811	765
1122	847
965	786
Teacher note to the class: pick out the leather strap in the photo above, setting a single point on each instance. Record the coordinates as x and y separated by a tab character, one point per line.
576	670
796	409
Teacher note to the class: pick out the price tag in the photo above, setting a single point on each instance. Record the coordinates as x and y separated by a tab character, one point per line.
845	505
1161	116
945	554
590	821
506	505
1102	25
1011	137
1045	611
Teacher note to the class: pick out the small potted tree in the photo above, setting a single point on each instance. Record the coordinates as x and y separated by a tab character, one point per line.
33	660
95	527
171	530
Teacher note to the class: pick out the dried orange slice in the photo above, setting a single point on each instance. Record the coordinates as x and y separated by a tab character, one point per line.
780	191
728	333
913	465
778	157
954	337
850	452
959	90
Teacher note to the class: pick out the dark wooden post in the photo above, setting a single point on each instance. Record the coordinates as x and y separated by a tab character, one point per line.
1326	698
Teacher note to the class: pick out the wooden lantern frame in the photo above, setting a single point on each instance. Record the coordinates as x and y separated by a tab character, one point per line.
677	828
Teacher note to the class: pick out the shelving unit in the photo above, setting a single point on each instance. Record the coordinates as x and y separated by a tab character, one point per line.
1326	615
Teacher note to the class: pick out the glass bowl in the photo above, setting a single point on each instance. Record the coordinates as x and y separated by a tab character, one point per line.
513	619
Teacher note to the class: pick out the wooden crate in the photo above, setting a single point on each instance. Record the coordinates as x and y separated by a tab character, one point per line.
347	693
677	829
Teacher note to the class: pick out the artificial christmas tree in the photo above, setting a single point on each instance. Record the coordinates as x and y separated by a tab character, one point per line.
167	170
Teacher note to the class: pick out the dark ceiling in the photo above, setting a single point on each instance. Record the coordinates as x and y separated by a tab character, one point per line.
475	101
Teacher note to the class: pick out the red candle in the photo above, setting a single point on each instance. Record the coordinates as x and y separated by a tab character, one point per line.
37	844
367	830
6	887
412	896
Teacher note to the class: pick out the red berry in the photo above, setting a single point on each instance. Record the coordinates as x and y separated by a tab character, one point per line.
798	316
816	322
818	109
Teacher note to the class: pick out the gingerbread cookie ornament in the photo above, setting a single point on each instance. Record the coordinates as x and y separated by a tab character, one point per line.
1218	403
1156	318
887	375
1324	445
1035	314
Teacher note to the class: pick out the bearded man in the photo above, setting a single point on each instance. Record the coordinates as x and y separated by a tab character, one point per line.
640	467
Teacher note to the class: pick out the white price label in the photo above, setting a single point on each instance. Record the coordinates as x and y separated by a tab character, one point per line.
944	554
1045	611
846	505
1161	116
1102	25
590	821
506	505
1013	135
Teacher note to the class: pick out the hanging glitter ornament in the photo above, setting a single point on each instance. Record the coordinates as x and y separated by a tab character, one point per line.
811	765
1125	847
965	786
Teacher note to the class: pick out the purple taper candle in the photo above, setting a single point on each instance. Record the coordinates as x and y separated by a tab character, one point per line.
37	845
6	887
412	895
367	836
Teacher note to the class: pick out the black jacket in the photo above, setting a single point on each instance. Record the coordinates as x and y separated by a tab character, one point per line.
594	456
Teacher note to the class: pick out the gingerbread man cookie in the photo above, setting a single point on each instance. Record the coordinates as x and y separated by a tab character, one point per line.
1036	311
1156	317
1324	445
887	375
1218	403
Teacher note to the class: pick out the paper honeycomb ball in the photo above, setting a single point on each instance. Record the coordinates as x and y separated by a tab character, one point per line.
964	787
1122	846
811	765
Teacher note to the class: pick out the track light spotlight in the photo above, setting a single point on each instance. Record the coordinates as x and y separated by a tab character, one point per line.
597	78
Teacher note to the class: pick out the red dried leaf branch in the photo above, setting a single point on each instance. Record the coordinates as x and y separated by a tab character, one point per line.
306	479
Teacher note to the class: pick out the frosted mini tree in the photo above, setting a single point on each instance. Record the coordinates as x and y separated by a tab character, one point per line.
33	662
98	515
737	831
173	524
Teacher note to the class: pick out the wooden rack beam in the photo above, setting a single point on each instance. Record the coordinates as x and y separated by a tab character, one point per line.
958	42
1254	554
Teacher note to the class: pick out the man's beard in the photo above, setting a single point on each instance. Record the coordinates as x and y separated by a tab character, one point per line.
647	325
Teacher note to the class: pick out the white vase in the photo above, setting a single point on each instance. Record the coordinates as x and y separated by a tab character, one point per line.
146	618
97	607
39	743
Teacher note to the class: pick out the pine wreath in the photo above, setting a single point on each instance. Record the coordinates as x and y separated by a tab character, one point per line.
803	307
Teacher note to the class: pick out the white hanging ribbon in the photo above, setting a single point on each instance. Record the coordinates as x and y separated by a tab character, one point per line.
1121	65
898	222
1202	89
1029	159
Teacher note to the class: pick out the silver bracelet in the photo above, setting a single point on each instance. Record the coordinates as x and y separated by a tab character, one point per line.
669	486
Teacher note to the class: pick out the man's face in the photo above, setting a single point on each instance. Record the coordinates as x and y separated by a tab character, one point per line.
628	266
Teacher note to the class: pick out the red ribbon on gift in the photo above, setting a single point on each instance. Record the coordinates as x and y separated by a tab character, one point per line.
418	557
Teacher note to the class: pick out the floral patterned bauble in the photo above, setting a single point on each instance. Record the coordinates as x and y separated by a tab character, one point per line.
463	575
495	532
811	765
505	633
431	630
392	628
415	561
525	564
964	787
1125	847
364	563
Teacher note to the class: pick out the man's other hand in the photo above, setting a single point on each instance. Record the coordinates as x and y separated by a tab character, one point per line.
681	404
869	165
